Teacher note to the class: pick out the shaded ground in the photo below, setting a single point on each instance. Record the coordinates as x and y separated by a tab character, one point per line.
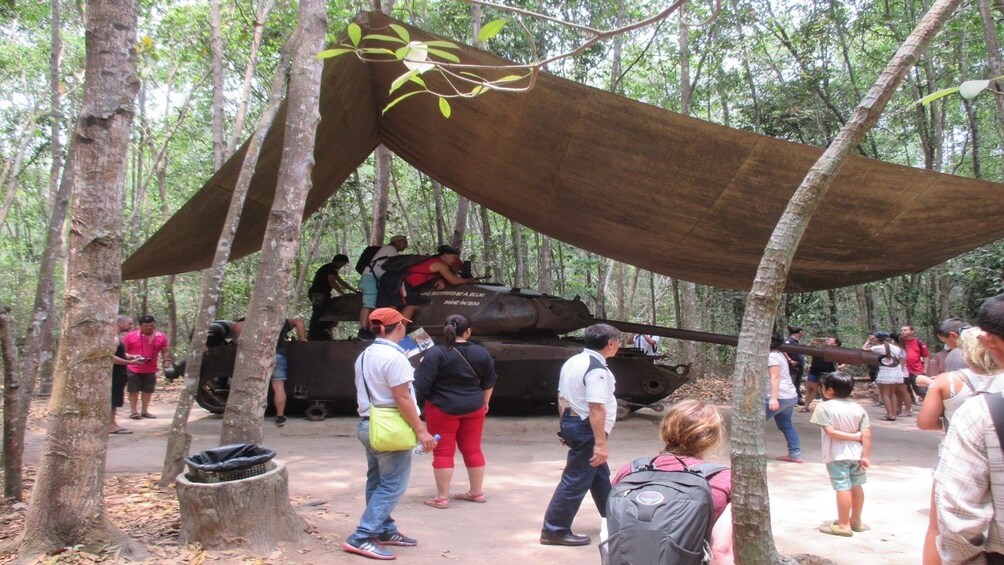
326	469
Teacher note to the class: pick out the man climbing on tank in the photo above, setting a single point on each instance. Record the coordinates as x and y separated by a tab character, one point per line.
326	280
371	273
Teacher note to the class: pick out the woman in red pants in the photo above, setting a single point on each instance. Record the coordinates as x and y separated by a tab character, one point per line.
455	382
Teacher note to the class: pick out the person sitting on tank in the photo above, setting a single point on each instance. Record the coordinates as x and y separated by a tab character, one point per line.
326	281
438	272
224	332
371	273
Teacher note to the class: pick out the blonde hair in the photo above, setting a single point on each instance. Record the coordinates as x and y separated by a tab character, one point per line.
976	355
692	428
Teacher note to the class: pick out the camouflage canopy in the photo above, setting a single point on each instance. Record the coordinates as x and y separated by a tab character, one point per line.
649	187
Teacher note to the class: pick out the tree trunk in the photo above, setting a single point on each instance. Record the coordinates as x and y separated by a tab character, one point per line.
253	513
437	198
753	541
16	398
242	420
545	265
489	248
67	506
460	225
264	9
178	439
219	105
994	60
518	254
381	192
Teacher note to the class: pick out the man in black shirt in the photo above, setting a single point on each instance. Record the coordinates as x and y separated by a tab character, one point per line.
326	279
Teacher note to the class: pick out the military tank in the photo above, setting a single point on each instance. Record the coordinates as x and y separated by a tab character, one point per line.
524	330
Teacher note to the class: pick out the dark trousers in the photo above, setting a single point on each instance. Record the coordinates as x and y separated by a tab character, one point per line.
796	379
578	478
316	329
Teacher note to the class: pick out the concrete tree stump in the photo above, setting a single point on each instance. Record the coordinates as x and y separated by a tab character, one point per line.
254	512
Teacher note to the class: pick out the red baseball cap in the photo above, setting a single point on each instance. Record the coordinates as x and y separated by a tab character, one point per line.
386	317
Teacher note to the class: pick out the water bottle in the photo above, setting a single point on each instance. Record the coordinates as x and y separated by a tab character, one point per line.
420	451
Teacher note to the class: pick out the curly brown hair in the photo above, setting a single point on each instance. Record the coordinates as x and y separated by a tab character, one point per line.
692	428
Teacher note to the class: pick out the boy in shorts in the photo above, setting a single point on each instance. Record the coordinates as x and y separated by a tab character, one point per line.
847	445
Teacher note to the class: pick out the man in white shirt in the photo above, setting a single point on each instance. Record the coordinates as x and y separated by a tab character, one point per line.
647	343
384	378
588	410
371	274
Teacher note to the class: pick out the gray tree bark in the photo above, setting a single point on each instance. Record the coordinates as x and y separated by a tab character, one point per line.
219	104
753	541
67	506
242	420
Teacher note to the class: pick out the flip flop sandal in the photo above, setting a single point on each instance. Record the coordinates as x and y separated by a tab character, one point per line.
135	416
888	419
436	502
468	497
147	415
833	530
788	459
121	431
861	528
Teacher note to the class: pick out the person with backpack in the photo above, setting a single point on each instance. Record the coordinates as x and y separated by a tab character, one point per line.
370	266
847	447
677	478
946	394
436	272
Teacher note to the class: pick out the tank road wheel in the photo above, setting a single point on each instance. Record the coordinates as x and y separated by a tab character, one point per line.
656	385
213	393
623	410
316	412
658	406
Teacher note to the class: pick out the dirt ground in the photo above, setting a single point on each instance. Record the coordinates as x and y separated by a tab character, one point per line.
327	473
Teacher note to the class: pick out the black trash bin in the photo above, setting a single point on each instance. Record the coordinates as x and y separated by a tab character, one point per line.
228	463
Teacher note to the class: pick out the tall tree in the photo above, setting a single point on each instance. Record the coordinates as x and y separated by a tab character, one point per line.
752	537
242	422
67	506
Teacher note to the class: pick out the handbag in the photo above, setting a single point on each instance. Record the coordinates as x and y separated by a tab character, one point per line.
389	431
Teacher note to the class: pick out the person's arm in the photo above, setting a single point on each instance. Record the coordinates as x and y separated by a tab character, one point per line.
598	421
301	330
340	286
962	487
933	407
128	360
721	539
443	270
405	405
488	396
837	434
866	448
775	382
165	355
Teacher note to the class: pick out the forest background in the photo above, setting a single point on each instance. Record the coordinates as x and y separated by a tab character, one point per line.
792	70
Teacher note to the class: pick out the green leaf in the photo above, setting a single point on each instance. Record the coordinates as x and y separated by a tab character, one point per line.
380	37
418	80
443	44
395	101
401	80
401	32
936	95
355	33
402	52
972	88
490	30
444	55
472	75
478	90
509	78
444	108
329	53
376	51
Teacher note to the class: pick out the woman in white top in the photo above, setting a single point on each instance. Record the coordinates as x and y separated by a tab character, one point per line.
944	396
780	400
889	379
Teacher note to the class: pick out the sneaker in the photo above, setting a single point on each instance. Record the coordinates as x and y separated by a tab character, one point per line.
368	548
280	421
397	538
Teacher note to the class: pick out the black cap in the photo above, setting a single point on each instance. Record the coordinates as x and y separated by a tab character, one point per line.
881	335
446	250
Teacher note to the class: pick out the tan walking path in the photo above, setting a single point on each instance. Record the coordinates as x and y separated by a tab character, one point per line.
326	464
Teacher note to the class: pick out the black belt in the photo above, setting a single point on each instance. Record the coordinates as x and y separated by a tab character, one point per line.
567	412
364	418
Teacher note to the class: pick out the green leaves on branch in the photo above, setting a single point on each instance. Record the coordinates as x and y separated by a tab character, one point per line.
969	90
419	57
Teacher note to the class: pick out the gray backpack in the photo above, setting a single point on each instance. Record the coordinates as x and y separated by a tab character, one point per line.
660	517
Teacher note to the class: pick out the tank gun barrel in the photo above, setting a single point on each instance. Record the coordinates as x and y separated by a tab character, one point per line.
831	354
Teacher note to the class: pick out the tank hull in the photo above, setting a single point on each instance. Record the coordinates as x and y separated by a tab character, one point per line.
321	376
